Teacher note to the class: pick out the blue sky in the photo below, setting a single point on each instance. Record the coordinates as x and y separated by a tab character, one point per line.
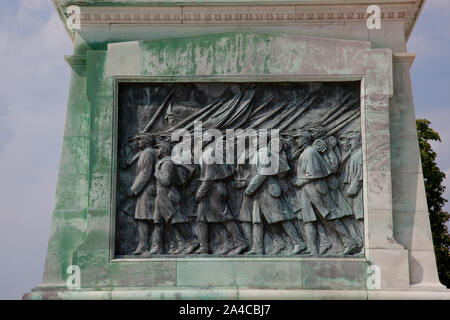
34	80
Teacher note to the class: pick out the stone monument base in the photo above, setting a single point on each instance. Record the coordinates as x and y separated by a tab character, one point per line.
243	278
234	293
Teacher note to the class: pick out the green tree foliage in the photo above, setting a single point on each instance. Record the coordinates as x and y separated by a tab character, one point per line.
434	178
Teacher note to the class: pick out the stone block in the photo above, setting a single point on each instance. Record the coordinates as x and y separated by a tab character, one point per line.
78	87
71	192
334	274
402	118
102	117
412	229
98	84
100	190
68	230
423	270
379	190
97	230
143	273
75	155
391	36
408	192
122	59
177	293
293	294
94	267
381	233
77	119
405	156
101	153
56	264
248	273
393	267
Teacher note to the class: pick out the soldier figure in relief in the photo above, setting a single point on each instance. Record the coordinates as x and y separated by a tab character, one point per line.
312	174
355	181
168	211
242	179
144	189
212	198
340	210
270	204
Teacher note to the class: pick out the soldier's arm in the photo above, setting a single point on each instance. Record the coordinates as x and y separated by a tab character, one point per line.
356	179
132	160
166	174
255	183
333	160
202	190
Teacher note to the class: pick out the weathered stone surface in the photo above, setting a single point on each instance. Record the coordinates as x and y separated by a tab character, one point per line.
71	192
393	266
94	267
68	230
144	274
379	190
330	275
423	271
98	230
408	192
412	230
288	51
252	274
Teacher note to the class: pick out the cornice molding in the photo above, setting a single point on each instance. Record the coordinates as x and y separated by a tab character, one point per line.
404	57
78	63
245	12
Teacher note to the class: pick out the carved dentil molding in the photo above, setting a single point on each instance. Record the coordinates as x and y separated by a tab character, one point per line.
243	14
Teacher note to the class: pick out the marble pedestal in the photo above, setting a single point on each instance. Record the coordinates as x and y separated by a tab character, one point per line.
242	42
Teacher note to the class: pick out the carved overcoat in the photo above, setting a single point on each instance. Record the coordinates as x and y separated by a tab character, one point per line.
314	195
355	180
269	193
168	197
144	185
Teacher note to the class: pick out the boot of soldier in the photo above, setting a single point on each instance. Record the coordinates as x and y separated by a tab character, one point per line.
157	240
143	230
278	244
241	243
181	246
258	237
202	233
227	247
351	227
190	242
325	244
247	227
311	233
349	244
295	237
181	240
173	248
191	246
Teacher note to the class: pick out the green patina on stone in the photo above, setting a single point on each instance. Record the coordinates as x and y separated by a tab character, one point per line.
84	184
82	230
